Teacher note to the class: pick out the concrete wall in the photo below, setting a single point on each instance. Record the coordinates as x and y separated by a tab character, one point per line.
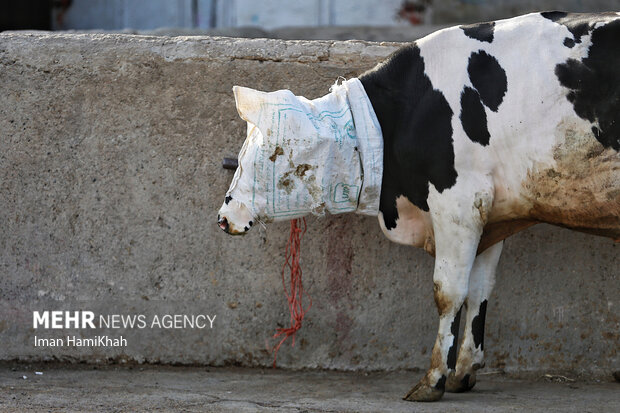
271	14
137	14
110	180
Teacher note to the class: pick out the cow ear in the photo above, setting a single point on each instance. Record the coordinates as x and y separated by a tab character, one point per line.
249	103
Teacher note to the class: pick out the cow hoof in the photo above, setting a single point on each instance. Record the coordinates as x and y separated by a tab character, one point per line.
424	392
460	385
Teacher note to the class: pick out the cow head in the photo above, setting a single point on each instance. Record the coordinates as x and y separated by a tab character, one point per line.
234	217
302	157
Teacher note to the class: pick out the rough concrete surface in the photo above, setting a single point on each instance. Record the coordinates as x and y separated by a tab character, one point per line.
114	389
368	33
110	181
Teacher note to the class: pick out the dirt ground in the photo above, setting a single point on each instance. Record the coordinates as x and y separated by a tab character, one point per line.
200	389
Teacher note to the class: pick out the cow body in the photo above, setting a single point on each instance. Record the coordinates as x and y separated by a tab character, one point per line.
489	129
491	118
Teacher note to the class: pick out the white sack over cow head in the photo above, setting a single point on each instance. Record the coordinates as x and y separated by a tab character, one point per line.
304	156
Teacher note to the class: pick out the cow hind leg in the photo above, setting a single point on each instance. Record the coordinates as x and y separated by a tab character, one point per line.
471	352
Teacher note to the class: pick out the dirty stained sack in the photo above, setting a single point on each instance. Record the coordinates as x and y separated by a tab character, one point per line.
308	156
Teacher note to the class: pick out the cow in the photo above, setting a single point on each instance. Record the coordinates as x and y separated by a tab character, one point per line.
488	129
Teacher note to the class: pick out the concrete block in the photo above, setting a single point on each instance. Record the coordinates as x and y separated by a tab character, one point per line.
110	182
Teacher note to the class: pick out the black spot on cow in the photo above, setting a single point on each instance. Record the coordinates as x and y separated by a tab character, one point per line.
473	117
576	23
480	31
488	77
579	24
227	199
251	223
568	42
594	84
454	329
416	122
441	383
477	325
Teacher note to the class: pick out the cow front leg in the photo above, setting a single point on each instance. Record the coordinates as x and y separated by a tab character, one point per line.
455	253
471	353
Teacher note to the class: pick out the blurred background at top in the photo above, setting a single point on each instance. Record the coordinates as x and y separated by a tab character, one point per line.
395	20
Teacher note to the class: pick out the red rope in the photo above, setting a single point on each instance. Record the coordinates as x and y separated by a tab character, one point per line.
296	294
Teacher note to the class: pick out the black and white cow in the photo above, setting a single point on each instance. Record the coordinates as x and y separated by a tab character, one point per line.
488	129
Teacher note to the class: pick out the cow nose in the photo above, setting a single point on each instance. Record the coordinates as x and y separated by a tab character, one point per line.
223	224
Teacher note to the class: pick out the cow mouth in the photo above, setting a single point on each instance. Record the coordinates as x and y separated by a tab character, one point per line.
234	218
230	229
223	224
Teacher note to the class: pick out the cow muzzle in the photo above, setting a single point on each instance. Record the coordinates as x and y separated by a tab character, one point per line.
234	217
